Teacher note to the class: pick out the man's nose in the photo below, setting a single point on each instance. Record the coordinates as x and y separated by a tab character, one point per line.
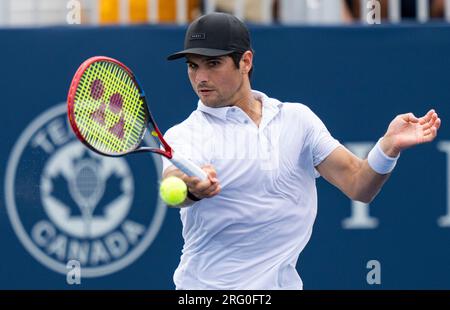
201	76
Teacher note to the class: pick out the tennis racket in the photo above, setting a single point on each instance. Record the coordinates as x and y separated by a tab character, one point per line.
108	112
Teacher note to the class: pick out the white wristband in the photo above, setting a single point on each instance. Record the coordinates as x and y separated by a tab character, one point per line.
379	161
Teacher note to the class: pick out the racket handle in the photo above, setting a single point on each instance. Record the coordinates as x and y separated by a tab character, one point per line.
188	166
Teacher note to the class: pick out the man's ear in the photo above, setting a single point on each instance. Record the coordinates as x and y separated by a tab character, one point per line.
246	62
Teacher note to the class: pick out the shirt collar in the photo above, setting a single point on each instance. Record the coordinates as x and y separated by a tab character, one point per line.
270	107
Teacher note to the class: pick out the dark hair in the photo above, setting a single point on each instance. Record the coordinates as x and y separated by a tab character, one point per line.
237	56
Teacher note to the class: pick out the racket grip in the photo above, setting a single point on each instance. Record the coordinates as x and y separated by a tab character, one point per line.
188	166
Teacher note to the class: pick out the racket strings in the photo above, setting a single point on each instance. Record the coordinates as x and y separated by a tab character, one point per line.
109	110
119	127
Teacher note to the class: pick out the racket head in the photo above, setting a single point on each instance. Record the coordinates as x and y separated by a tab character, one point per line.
108	111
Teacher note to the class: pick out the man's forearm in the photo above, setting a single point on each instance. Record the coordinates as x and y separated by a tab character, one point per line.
376	169
368	183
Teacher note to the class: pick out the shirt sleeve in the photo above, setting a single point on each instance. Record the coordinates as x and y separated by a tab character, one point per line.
321	141
185	141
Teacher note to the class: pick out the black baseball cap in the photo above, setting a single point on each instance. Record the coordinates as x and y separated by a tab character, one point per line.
215	34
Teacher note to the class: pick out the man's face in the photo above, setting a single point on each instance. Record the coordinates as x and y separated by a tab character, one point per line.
216	80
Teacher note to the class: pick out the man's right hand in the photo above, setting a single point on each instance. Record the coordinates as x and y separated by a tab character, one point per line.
201	189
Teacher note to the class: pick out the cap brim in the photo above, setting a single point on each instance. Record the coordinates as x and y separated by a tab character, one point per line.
199	51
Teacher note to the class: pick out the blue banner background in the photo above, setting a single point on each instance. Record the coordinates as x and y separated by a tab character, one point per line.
355	78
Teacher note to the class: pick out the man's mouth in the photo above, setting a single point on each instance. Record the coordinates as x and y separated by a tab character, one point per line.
205	91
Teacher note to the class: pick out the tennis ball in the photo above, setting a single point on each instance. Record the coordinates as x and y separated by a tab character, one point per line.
173	191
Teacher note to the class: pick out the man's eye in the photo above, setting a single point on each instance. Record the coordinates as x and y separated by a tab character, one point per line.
213	63
192	66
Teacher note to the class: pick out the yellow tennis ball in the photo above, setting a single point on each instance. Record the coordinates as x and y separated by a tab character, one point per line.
173	191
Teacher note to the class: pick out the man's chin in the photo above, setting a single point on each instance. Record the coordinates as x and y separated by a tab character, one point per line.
209	102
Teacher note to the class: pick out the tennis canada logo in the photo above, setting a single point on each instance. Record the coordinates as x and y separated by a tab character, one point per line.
68	203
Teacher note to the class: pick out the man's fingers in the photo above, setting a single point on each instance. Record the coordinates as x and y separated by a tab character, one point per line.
430	134
211	189
211	172
427	132
430	122
432	129
215	192
409	117
208	188
205	189
202	186
213	180
437	124
426	126
435	117
209	169
427	117
434	121
191	182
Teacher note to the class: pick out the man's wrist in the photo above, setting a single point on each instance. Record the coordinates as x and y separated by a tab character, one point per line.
387	146
381	162
192	196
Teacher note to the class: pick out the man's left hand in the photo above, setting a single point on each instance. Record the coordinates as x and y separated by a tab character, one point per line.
406	130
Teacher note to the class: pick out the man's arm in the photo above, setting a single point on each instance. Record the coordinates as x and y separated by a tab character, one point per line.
356	178
352	175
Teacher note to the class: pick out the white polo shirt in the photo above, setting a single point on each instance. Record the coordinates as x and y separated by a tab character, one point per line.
251	234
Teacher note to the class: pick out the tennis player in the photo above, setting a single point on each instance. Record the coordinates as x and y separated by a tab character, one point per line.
245	226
